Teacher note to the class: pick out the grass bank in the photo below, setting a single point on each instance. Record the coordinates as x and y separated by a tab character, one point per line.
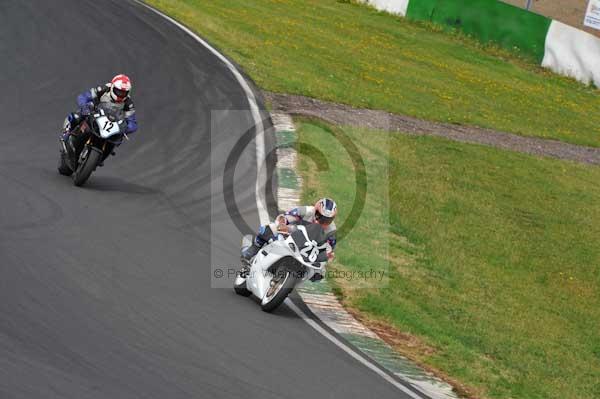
351	54
493	258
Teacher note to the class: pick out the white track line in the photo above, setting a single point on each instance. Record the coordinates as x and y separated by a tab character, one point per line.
261	178
263	214
350	350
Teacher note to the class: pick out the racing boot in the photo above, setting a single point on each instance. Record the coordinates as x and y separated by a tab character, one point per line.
250	252
247	255
263	236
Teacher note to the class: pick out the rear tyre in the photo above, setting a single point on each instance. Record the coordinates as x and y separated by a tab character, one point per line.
91	158
239	286
282	285
63	166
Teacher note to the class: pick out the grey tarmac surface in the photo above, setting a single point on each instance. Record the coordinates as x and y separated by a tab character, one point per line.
105	290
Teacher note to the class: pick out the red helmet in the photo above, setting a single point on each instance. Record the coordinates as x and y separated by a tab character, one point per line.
325	211
120	86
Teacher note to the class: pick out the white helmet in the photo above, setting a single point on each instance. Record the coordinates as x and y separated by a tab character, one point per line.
120	86
325	211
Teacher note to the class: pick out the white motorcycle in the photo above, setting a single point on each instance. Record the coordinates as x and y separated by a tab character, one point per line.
282	264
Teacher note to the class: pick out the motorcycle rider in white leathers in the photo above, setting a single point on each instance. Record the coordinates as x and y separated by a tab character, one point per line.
323	213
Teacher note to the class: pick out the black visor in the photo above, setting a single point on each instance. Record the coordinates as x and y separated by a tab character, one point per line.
120	93
323	219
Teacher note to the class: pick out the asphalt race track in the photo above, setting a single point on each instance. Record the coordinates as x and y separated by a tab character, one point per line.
105	290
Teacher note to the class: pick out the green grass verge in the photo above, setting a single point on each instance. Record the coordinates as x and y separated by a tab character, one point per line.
493	257
352	54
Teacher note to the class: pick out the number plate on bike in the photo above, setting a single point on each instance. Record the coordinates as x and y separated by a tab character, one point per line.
107	127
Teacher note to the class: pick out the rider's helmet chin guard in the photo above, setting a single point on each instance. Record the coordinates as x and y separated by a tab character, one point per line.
325	211
120	86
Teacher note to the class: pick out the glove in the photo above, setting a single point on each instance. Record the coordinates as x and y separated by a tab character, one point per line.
122	126
281	223
316	277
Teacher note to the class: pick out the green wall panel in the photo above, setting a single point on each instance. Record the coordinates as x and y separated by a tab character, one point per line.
487	20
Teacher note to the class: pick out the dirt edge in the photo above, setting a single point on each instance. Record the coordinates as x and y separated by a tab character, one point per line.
345	115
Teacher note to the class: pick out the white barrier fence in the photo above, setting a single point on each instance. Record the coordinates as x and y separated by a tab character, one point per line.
568	51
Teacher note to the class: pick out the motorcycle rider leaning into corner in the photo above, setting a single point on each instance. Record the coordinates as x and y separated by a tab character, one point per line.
323	213
116	93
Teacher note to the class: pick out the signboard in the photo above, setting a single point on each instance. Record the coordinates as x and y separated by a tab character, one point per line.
592	16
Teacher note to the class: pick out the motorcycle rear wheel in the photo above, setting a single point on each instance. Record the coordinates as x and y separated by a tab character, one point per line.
240	288
63	166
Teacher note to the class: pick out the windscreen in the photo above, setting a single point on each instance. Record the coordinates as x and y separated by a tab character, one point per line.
114	112
311	242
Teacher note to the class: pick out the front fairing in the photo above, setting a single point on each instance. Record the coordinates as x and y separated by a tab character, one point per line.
260	277
105	122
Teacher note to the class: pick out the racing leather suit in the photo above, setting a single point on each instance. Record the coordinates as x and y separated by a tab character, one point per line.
90	99
296	216
306	214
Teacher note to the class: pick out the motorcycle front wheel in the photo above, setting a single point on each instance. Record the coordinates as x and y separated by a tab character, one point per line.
281	286
89	160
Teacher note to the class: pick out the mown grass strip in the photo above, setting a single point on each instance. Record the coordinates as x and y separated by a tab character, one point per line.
352	54
493	258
